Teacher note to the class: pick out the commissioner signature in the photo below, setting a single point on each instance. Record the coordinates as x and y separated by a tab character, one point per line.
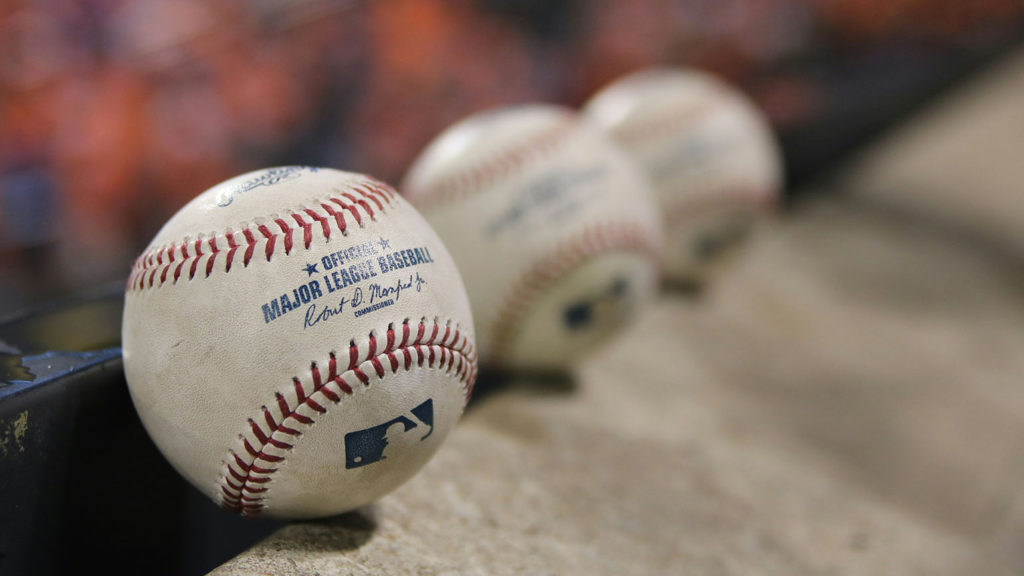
375	297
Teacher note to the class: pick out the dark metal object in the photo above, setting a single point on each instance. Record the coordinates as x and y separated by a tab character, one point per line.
81	484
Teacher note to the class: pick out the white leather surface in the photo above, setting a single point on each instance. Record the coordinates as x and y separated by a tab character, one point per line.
710	155
536	205
206	354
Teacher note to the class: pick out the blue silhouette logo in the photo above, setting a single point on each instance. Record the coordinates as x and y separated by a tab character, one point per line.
364	447
581	315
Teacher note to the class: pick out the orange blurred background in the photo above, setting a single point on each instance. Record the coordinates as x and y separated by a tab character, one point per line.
114	113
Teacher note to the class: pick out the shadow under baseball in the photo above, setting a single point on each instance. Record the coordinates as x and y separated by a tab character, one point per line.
534	382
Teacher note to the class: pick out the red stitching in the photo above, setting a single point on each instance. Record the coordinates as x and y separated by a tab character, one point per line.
287	232
159	265
457	185
570	253
244	474
181	263
271	240
250	240
233	247
360	201
349	207
325	224
307	230
368	193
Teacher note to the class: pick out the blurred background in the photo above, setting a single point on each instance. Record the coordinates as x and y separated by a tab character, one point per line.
862	368
114	113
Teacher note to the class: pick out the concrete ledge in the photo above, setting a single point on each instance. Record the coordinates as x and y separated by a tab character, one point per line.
846	401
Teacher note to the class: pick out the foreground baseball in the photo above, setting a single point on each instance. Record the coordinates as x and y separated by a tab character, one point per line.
297	342
711	157
553	228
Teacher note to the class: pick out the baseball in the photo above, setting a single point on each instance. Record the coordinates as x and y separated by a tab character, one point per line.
553	227
709	153
297	342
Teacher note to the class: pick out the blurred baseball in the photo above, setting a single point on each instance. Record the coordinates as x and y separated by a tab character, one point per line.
711	157
297	342
553	228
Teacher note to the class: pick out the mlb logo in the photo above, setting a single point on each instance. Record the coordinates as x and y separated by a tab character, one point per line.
364	447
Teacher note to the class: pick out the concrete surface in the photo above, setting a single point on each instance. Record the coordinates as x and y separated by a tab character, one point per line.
847	400
959	161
